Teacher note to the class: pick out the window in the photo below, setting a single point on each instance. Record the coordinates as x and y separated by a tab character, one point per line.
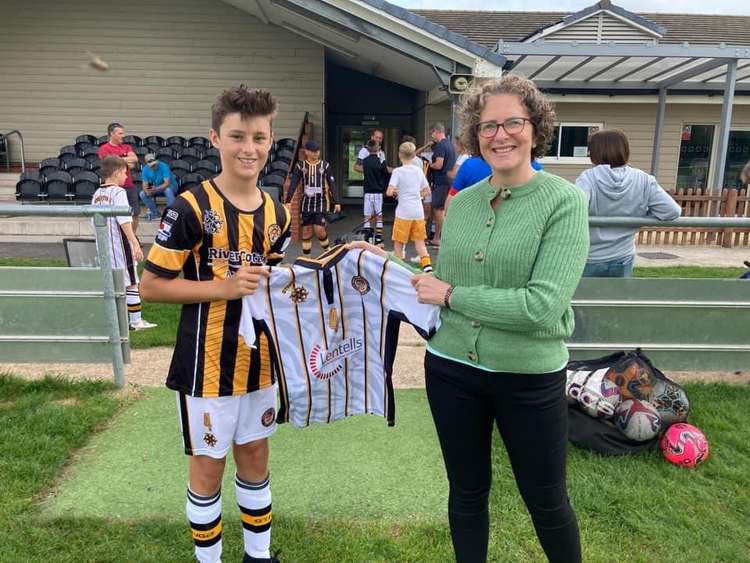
696	144
570	143
738	154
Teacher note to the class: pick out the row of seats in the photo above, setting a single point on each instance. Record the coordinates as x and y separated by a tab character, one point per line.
73	175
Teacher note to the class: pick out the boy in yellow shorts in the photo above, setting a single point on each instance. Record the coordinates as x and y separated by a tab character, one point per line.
409	185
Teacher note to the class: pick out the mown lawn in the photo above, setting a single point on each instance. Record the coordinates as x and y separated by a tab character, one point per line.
89	475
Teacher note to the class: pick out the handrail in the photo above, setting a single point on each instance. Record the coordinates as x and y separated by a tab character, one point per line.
23	150
17	210
715	222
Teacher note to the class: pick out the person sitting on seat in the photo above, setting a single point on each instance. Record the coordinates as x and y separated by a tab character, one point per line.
157	179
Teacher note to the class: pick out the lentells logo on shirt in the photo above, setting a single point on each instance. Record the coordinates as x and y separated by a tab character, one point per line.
326	364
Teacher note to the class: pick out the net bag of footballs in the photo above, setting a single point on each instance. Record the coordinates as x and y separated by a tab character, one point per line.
621	403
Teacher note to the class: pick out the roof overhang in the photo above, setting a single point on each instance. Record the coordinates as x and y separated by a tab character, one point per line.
627	68
380	39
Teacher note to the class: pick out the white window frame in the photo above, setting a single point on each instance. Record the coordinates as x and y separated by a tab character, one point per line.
570	159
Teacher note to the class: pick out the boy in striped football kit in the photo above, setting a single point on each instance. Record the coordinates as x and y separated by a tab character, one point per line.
319	189
219	236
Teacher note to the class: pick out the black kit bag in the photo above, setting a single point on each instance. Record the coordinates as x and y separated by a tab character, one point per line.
630	375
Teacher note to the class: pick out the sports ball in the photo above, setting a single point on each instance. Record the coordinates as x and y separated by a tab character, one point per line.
638	420
670	401
633	379
684	445
574	384
599	397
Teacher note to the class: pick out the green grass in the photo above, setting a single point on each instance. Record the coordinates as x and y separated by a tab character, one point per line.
688	272
355	491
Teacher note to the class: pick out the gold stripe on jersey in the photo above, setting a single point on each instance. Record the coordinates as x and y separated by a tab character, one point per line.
168	258
212	351
220	238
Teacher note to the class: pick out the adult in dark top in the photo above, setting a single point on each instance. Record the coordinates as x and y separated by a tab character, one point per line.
375	174
443	159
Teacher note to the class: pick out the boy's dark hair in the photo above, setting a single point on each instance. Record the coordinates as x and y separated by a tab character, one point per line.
112	126
609	146
372	145
409	139
248	103
110	165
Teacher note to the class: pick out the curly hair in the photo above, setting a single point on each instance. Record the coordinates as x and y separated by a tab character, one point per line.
541	111
248	103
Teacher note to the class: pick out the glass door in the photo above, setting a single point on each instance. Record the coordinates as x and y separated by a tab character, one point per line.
738	154
696	145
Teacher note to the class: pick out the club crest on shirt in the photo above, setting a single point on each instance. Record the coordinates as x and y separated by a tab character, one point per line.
274	232
212	222
360	284
268	417
326	364
297	293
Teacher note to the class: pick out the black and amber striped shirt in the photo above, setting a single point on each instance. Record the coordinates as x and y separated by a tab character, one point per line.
205	237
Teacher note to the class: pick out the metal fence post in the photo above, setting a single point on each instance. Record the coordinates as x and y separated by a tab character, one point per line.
105	266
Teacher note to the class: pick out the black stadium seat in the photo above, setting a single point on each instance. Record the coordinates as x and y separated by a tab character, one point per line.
84	185
191	155
284	154
68	150
279	167
166	151
209	165
212	152
177	140
180	168
86	139
155	140
29	189
190	181
48	166
58	186
274	180
101	140
81	147
90	153
141	152
200	142
285	144
132	140
71	164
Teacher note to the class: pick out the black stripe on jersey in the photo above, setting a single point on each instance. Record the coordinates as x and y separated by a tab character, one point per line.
185	419
323	329
365	331
326	260
259	227
205	272
342	316
232	314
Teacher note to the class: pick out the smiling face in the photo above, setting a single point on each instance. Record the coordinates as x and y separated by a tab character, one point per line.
117	136
244	145
508	155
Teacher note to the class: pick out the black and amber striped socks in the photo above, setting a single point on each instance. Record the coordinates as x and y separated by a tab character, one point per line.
254	500
204	515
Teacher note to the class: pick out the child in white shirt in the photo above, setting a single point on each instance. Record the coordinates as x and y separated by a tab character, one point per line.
409	185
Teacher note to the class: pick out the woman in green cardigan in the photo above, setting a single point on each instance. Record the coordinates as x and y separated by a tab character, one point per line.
512	252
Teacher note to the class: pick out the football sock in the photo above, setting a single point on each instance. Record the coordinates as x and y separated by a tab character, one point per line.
366	224
426	263
204	515
306	245
254	500
133	300
324	243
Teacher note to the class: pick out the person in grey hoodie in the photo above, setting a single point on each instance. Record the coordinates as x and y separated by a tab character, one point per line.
615	189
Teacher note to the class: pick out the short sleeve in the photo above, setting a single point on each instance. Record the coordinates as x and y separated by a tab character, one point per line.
120	199
401	298
179	232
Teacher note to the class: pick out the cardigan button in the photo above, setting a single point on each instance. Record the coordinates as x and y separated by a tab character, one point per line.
475	324
479	256
472	356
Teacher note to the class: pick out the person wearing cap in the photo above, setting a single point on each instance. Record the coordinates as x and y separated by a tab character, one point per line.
319	192
157	179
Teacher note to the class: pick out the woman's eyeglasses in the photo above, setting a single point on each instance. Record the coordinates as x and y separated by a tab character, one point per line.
512	126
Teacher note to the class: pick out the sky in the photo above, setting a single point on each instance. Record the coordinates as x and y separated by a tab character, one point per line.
726	7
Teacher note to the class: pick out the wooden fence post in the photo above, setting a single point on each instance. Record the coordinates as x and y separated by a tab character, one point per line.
730	210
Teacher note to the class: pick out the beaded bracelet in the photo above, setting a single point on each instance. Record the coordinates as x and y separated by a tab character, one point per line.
447	298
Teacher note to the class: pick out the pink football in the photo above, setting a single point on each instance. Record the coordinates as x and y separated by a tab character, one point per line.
684	445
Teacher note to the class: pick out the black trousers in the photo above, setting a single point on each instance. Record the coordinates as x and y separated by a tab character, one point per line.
531	414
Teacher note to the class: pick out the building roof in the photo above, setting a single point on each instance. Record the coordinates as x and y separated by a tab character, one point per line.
486	27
